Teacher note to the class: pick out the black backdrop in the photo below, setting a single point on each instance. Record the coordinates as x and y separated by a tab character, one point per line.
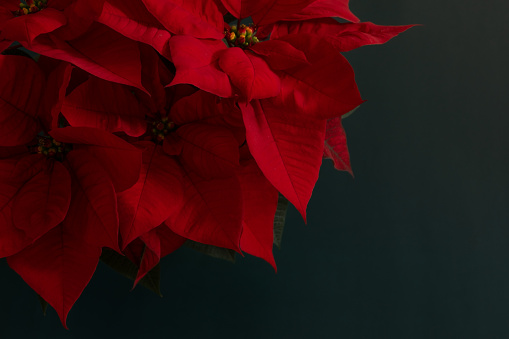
416	246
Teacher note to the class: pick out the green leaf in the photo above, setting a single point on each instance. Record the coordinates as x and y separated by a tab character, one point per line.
213	251
346	115
279	219
44	305
124	266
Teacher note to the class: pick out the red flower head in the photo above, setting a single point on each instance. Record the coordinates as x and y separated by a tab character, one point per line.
59	186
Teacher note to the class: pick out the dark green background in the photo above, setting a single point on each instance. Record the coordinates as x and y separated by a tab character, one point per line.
416	246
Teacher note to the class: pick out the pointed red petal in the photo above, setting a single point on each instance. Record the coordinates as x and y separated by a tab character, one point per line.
344	36
269	11
196	64
93	209
260	203
159	242
323	89
264	11
235	63
54	94
211	212
280	54
266	83
58	267
156	195
107	106
121	160
43	201
287	148
150	257
200	107
132	19
12	239
26	28
324	9
100	51
250	74
198	18
154	75
210	151
335	147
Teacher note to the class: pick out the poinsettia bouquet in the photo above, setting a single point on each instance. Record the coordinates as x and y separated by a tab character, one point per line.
130	128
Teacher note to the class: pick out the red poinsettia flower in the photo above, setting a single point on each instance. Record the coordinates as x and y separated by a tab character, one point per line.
59	186
294	75
252	72
199	152
195	173
68	196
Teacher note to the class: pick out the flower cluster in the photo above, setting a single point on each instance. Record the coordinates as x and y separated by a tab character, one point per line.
139	125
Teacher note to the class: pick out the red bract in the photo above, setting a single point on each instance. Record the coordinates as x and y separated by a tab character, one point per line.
35	198
58	267
288	151
335	145
157	194
25	24
259	199
149	248
187	176
100	51
105	112
132	19
199	18
197	64
269	11
323	9
344	36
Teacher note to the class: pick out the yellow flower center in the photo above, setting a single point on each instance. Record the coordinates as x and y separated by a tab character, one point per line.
161	128
243	36
51	148
31	6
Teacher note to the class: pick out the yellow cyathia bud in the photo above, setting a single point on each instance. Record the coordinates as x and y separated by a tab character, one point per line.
243	36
